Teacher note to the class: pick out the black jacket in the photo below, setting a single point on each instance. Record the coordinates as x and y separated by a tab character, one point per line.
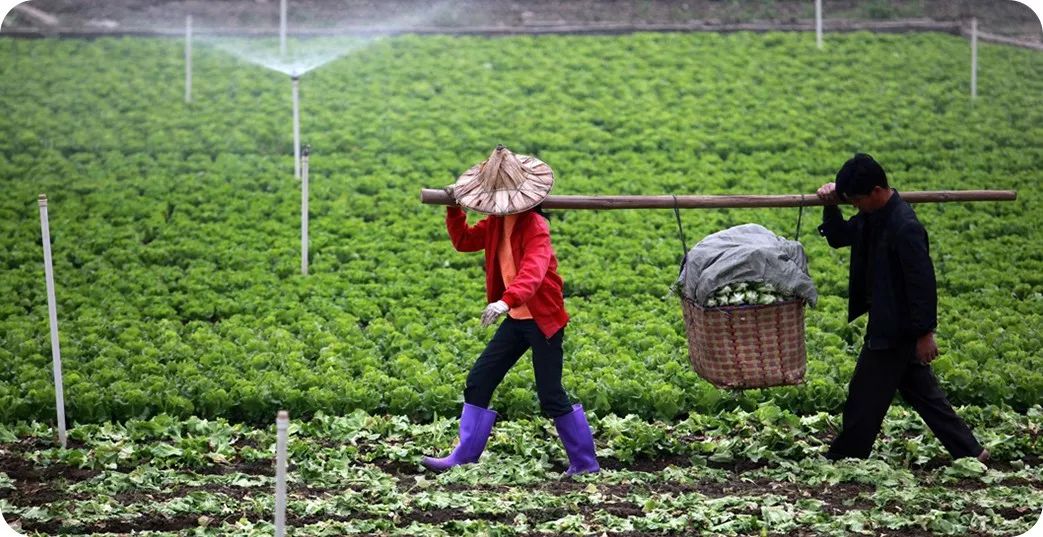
891	274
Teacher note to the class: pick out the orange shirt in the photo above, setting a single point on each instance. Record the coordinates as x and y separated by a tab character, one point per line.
507	268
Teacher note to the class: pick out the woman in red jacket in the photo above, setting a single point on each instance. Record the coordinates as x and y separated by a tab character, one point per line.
521	281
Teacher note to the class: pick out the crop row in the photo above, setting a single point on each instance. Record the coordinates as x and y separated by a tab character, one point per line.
732	473
175	227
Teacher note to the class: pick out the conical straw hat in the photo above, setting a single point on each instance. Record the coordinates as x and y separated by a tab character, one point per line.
504	184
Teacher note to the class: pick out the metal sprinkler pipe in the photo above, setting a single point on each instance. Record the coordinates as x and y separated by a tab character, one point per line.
282	426
52	311
304	210
818	24
188	59
296	125
974	57
282	27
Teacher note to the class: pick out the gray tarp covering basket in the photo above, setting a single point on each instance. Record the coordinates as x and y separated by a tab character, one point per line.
746	346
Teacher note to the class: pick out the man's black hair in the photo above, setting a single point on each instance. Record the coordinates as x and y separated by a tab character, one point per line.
859	176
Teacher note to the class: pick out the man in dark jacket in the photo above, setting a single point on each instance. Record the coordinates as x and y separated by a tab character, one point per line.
891	277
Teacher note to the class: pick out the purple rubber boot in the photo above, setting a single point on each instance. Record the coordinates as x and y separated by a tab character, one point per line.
578	439
475	425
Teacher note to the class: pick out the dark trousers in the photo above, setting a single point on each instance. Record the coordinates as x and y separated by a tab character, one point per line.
878	375
512	339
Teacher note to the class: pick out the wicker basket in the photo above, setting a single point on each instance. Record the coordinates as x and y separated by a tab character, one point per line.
747	346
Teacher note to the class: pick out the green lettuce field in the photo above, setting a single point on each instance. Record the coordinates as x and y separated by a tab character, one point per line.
175	231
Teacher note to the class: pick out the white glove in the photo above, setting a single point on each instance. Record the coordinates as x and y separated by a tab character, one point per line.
494	310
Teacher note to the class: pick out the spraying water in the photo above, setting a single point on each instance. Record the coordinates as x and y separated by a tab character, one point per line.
295	57
300	57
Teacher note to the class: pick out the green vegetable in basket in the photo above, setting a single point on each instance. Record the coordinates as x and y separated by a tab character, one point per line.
747	293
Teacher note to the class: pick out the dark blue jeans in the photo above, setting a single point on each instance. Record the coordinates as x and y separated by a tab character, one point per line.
512	339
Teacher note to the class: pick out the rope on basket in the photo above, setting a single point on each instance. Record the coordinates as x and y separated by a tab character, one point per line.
800	216
680	234
680	230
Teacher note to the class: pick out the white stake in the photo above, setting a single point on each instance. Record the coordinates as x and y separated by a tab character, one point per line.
818	23
974	57
304	211
296	127
282	423
188	59
52	310
282	27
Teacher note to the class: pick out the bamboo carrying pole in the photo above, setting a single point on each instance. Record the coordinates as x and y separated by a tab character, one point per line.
52	310
440	197
282	424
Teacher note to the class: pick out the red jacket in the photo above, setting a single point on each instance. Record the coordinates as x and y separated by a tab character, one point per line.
537	284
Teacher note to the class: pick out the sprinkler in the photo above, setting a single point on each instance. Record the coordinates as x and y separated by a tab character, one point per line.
52	310
304	210
296	125
282	427
282	27
188	59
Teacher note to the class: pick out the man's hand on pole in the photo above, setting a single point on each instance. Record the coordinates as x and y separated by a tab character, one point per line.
494	310
828	193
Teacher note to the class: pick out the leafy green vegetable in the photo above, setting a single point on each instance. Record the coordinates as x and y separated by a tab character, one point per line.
175	227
